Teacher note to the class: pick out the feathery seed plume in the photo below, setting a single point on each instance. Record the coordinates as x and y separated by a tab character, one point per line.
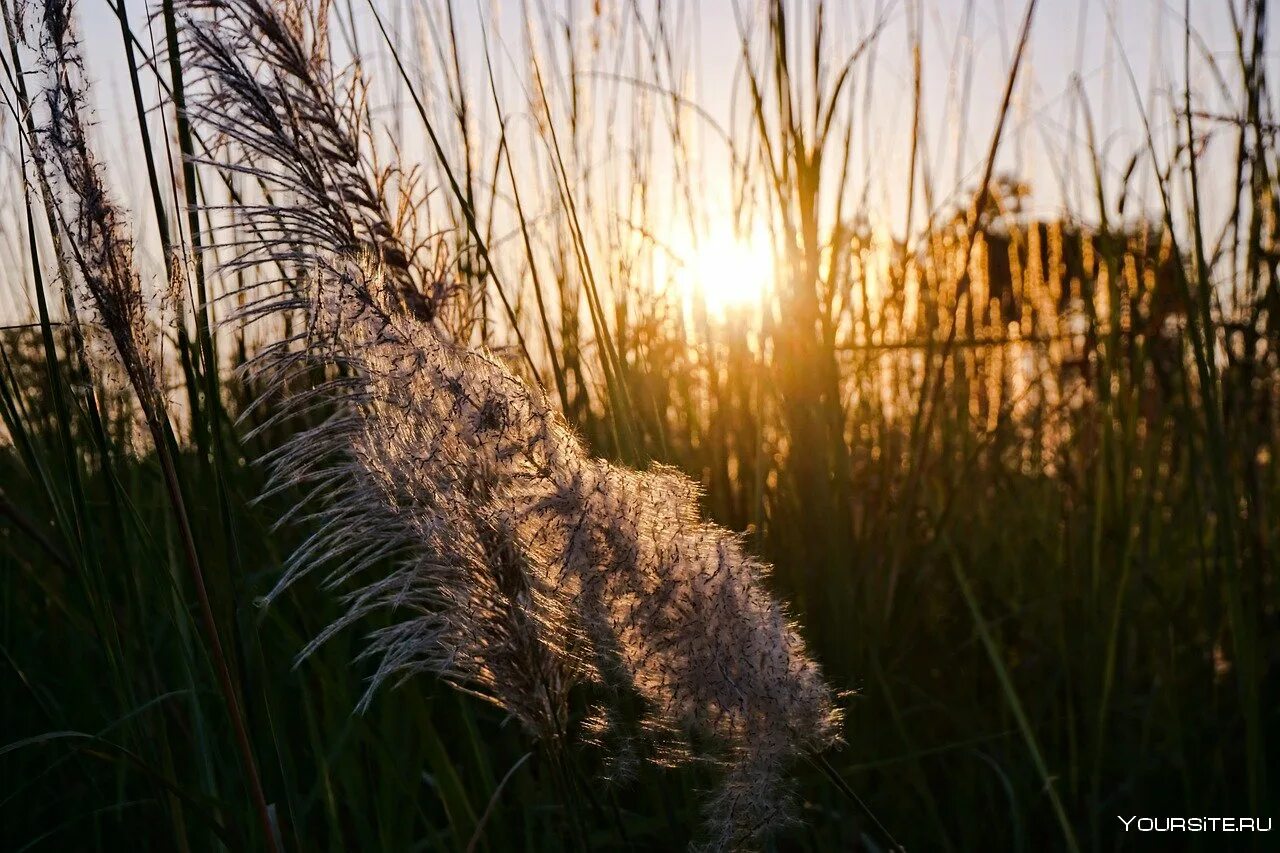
448	492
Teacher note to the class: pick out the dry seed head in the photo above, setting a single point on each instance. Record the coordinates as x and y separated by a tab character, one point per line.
97	245
449	493
523	566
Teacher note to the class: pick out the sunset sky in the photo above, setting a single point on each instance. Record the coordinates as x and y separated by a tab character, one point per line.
966	47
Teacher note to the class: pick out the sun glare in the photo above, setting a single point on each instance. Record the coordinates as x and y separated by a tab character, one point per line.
727	271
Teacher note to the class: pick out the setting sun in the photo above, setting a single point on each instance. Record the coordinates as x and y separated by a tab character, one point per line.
727	271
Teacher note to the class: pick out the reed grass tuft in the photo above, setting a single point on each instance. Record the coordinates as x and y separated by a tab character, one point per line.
370	455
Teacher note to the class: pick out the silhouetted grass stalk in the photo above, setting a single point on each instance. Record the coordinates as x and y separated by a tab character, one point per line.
102	255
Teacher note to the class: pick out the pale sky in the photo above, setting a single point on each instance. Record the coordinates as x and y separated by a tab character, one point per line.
962	40
1069	36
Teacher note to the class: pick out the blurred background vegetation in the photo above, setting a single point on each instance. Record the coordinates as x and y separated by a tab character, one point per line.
1013	460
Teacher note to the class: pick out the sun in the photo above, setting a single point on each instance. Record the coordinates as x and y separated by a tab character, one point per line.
726	270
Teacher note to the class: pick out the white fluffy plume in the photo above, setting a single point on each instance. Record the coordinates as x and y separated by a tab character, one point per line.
449	493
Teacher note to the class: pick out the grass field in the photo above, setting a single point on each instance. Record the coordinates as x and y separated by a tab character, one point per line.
1015	473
